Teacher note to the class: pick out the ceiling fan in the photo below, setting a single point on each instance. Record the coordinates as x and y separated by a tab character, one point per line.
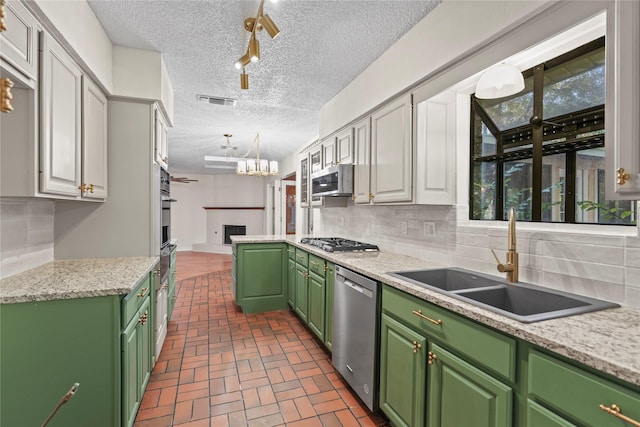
183	179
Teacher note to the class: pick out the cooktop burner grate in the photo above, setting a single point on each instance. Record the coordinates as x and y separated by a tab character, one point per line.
338	244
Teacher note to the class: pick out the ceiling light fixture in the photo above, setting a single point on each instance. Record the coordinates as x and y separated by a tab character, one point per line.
254	25
257	166
499	81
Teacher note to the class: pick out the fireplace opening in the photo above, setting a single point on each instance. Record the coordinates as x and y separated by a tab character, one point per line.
233	230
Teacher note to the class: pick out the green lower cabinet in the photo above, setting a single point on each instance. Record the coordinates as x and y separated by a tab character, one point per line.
302	291
48	346
402	373
261	273
291	283
460	394
329	282
538	416
317	298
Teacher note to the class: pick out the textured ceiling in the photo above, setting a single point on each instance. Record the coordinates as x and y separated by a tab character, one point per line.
322	46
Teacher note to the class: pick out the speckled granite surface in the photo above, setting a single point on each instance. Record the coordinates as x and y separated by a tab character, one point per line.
607	340
76	278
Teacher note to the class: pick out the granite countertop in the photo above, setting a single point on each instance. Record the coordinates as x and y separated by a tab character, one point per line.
76	278
607	340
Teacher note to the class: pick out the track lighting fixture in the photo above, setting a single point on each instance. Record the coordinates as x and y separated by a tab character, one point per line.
252	54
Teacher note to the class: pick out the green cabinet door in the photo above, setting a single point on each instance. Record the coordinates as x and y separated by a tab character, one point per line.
137	345
291	283
261	277
460	394
329	281
402	373
302	291
538	416
46	347
317	297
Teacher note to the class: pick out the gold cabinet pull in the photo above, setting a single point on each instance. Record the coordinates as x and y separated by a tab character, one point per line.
290	251
371	196
143	319
143	292
416	346
422	316
623	176
317	264
300	256
5	95
83	188
616	411
90	188
431	358
3	26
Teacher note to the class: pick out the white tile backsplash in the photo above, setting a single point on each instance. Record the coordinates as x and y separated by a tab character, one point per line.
26	234
600	262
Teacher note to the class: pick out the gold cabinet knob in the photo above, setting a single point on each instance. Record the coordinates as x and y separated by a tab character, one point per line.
90	188
143	292
143	319
416	346
623	176
3	26
371	196
5	95
431	358
83	188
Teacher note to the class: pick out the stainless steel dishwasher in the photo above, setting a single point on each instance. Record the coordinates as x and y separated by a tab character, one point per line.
355	331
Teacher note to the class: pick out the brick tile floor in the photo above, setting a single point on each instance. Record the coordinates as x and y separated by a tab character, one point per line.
220	367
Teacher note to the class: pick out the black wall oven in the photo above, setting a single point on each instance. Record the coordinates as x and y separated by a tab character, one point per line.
166	247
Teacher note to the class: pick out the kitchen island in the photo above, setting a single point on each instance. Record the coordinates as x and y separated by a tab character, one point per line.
599	349
86	321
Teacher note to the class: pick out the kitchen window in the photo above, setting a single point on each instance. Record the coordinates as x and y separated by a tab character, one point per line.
541	151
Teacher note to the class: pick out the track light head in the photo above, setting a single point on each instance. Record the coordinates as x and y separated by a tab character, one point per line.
270	26
244	80
243	61
254	49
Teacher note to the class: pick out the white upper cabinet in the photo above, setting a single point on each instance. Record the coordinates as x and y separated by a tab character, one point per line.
315	165
328	152
622	111
344	146
19	43
391	156
94	141
362	161
61	109
161	139
435	135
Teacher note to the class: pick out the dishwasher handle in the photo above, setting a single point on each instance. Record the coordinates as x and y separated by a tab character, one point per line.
357	288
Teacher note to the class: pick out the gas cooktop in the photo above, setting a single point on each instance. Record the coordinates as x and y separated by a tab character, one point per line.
338	244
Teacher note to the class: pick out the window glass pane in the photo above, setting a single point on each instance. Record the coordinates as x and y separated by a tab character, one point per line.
484	191
591	205
574	85
484	143
517	188
553	187
511	112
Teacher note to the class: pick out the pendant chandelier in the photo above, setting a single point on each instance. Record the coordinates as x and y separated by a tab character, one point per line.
257	166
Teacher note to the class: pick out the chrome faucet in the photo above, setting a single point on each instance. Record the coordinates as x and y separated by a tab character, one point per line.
511	267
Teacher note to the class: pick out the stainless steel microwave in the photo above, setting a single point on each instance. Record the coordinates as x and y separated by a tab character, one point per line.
334	181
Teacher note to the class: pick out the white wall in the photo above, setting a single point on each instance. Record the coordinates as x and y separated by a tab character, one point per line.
197	229
26	234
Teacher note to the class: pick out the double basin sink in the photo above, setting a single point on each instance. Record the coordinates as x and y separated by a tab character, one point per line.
520	301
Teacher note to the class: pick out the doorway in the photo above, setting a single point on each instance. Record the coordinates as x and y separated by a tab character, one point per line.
289	204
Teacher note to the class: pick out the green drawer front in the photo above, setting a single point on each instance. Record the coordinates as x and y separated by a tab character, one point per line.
538	416
132	302
577	394
317	265
291	251
483	345
302	257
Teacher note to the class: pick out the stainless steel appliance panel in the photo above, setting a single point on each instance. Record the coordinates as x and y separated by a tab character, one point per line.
355	331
